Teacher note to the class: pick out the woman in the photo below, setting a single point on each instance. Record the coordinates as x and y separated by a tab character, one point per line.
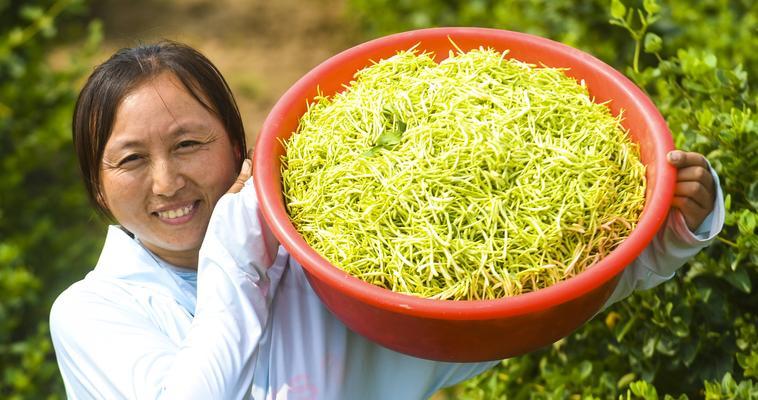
190	298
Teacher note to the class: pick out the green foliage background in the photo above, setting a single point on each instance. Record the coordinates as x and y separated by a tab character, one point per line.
695	336
48	235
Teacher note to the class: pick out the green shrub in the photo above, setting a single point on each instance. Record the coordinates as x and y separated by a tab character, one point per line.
47	235
694	336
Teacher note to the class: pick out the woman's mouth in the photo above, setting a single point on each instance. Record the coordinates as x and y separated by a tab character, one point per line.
177	215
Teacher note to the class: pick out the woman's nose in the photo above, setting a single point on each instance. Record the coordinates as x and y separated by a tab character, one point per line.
167	178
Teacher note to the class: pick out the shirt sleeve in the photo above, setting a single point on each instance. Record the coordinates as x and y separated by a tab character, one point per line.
232	306
110	347
401	377
671	247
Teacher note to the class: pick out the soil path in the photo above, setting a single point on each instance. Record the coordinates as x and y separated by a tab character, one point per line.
262	47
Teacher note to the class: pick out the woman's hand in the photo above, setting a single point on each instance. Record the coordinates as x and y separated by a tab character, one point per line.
695	190
245	172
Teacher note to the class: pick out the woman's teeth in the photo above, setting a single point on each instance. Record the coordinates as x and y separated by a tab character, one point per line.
179	212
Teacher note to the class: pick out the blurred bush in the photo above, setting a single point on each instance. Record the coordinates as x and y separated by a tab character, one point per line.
696	335
48	237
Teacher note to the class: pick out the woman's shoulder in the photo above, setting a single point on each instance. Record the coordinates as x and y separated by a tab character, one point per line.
78	300
104	304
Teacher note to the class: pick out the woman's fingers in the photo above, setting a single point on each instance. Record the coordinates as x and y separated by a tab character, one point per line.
695	190
693	214
683	159
244	175
696	174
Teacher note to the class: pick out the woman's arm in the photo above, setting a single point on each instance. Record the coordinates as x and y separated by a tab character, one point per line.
236	252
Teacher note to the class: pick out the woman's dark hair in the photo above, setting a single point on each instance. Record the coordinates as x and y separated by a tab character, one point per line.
128	68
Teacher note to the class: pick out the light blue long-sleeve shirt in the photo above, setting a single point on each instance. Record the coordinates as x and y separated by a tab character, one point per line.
253	327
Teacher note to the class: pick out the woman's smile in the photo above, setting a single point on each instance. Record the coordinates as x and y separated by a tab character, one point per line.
177	215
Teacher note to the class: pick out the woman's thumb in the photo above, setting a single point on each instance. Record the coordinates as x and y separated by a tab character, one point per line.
244	175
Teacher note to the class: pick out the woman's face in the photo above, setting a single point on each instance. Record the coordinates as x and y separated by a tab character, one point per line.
165	166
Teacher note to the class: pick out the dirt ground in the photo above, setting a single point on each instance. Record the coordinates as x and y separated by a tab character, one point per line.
261	46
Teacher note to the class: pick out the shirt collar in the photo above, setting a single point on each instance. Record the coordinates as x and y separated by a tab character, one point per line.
124	258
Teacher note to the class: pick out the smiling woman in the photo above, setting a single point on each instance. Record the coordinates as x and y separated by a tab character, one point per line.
192	297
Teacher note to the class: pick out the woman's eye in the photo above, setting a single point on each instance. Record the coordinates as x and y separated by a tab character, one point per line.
130	159
188	144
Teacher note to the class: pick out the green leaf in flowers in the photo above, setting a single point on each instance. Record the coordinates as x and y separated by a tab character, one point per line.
391	136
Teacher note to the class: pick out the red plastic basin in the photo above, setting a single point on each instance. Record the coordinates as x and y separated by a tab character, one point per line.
467	331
